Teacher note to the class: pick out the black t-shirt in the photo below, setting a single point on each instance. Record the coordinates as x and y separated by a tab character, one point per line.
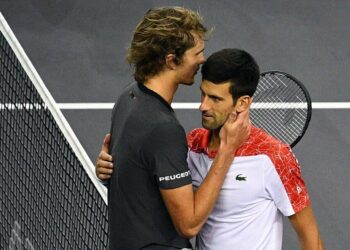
149	150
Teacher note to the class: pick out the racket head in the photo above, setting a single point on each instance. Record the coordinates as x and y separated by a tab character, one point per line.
281	106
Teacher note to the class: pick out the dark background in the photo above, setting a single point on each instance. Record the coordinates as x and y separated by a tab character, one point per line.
78	47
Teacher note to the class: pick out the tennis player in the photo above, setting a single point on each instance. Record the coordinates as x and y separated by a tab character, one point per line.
264	182
151	202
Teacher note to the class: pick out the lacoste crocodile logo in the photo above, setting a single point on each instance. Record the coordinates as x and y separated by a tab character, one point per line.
239	177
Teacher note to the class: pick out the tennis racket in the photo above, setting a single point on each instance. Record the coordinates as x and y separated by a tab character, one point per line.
281	106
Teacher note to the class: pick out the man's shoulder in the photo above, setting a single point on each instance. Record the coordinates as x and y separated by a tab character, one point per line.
197	139
123	99
261	142
126	90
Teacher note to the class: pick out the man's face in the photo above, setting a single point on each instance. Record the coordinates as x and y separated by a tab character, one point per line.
216	104
191	61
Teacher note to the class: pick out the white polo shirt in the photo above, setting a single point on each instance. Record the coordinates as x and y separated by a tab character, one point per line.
263	184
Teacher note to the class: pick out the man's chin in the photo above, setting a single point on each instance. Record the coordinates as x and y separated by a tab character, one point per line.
189	83
210	126
206	125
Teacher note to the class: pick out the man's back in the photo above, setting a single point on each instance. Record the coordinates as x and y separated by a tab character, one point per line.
149	148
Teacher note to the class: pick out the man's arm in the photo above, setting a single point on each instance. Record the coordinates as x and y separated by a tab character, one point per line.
188	209
304	224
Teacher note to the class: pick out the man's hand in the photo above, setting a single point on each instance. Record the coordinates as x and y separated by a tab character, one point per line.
104	162
235	131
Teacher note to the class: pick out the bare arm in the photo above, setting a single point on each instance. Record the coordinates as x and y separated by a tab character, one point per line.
304	224
188	209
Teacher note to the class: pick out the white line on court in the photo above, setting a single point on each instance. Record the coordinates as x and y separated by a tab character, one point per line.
176	105
195	105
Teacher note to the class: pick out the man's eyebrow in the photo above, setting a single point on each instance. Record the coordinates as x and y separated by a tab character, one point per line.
200	51
211	96
216	97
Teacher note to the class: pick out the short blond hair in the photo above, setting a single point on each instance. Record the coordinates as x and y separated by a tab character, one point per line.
162	31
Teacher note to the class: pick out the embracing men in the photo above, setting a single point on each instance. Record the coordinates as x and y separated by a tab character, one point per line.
237	181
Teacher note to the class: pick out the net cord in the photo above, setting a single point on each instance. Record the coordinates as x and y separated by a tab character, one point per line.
52	106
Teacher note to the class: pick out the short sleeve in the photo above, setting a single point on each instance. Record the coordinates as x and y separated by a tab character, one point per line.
165	152
285	183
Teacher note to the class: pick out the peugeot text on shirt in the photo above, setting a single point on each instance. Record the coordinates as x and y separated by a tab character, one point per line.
174	176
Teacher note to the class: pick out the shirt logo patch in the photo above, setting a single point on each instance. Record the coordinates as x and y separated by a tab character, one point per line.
175	176
239	177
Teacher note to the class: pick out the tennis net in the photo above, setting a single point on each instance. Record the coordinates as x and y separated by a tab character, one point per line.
50	198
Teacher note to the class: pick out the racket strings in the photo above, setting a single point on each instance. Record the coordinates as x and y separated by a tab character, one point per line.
263	120
280	107
275	92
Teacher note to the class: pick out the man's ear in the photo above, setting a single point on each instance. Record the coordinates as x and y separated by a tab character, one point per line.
243	103
170	61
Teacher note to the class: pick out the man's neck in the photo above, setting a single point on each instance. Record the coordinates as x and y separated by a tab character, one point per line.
163	85
214	140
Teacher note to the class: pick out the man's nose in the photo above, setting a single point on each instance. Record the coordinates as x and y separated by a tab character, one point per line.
204	105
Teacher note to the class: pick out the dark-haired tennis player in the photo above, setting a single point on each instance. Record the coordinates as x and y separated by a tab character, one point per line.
151	201
264	182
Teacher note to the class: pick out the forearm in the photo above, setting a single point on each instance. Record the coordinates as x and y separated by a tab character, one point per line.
310	240
188	209
311	244
205	197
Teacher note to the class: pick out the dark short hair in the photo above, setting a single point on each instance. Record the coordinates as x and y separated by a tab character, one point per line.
162	31
236	66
